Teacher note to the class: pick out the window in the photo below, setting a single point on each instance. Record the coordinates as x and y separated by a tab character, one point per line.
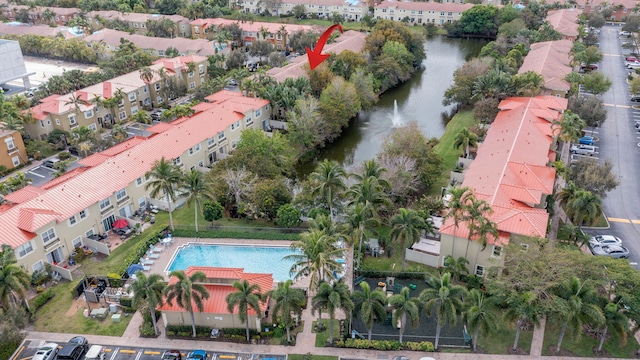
143	25
211	141
190	151
234	143
122	115
157	86
221	135
135	25
197	147
258	113
89	232
77	242
38	266
93	127
139	181
72	119
160	100
191	73
147	101
497	251
48	235
192	85
57	121
145	89
479	270
121	103
73	220
83	214
235	125
201	69
142	202
88	114
177	161
201	163
15	160
24	250
132	96
10	144
134	110
105	203
42	123
121	194
249	119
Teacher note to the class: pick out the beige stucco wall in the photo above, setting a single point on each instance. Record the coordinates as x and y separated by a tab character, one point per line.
206	319
471	250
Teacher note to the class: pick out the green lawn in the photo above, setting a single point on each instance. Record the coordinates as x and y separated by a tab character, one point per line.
310	357
502	341
450	155
393	263
323	336
186	216
583	346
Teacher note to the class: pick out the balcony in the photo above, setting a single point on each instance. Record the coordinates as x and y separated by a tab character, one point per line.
12	151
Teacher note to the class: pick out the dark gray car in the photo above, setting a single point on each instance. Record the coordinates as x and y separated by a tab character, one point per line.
614	251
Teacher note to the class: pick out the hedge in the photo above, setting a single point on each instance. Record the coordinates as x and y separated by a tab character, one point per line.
371	273
215	234
140	250
386	345
40	300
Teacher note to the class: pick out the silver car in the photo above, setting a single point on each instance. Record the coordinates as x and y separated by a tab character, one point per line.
46	352
614	251
600	240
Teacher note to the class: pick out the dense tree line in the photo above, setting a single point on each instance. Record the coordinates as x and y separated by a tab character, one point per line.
55	47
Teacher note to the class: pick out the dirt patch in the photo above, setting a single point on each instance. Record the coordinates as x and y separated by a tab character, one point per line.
519	351
78	304
562	352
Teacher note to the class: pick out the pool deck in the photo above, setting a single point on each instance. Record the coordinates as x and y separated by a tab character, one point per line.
168	252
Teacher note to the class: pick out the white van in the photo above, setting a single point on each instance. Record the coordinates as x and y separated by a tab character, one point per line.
51	163
580	149
95	352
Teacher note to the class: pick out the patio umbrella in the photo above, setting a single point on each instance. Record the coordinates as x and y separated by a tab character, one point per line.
134	268
119	224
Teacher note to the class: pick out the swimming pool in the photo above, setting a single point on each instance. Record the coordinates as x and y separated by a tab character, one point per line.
253	259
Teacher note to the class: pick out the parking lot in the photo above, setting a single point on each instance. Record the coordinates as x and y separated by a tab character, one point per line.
29	348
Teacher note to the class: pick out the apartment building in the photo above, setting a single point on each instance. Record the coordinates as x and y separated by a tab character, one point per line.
87	107
352	10
110	40
565	21
44	224
511	173
251	31
19	29
13	152
421	12
42	14
620	8
550	59
138	22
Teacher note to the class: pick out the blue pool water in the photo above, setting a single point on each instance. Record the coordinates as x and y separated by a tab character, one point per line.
253	259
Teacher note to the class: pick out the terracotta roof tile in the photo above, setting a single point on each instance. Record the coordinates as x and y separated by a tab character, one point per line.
551	60
424	6
564	21
25	194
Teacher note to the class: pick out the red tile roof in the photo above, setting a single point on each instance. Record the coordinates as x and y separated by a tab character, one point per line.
25	194
510	171
424	6
113	170
60	179
254	26
551	60
564	21
216	303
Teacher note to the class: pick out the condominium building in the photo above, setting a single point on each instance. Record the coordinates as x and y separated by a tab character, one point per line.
42	14
552	61
138	22
421	12
45	224
12	150
620	9
87	107
352	10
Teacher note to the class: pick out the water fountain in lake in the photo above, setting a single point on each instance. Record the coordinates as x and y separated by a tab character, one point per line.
396	121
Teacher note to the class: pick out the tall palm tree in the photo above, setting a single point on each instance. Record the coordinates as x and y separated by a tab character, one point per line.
289	300
404	308
577	305
14	282
569	127
18	181
82	134
406	225
456	267
615	319
247	296
370	306
478	315
329	177
187	291
478	212
316	259
196	187
585	207
359	222
146	74
458	202
484	229
76	100
119	133
148	290
164	177
332	297
370	193
372	168
445	299
465	139
567	194
523	308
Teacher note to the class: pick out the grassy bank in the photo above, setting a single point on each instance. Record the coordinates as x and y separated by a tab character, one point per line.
583	346
450	155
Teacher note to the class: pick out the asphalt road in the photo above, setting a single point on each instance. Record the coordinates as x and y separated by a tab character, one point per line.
619	143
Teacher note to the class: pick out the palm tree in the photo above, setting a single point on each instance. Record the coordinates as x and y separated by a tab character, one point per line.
567	194
585	207
406	226
570	125
370	305
329	178
18	181
82	134
317	258
148	290
187	291
523	308
577	305
332	297
478	212
196	187
146	74
371	168
142	117
247	297
14	282
370	193
458	202
289	300
119	133
614	319
164	176
445	298
478	315
76	100
404	308
359	223
466	139
483	228
456	267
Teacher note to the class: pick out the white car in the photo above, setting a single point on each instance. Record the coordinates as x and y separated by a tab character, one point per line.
600	240
586	150
625	33
46	352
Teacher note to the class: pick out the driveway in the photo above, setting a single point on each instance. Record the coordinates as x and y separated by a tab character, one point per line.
619	143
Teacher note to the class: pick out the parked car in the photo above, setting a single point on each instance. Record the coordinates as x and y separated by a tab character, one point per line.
73	150
232	81
32	91
633	65
400	358
587	150
80	340
589	67
51	162
600	240
586	140
157	114
625	33
46	352
614	251
631	59
197	355
71	352
635	98
172	355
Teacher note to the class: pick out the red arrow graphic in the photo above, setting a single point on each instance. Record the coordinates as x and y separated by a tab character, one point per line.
315	56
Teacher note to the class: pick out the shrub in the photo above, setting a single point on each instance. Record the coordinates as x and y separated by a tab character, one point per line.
184	333
288	216
39	277
126	302
211	234
171	333
146	329
385	345
40	300
114	280
64	155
